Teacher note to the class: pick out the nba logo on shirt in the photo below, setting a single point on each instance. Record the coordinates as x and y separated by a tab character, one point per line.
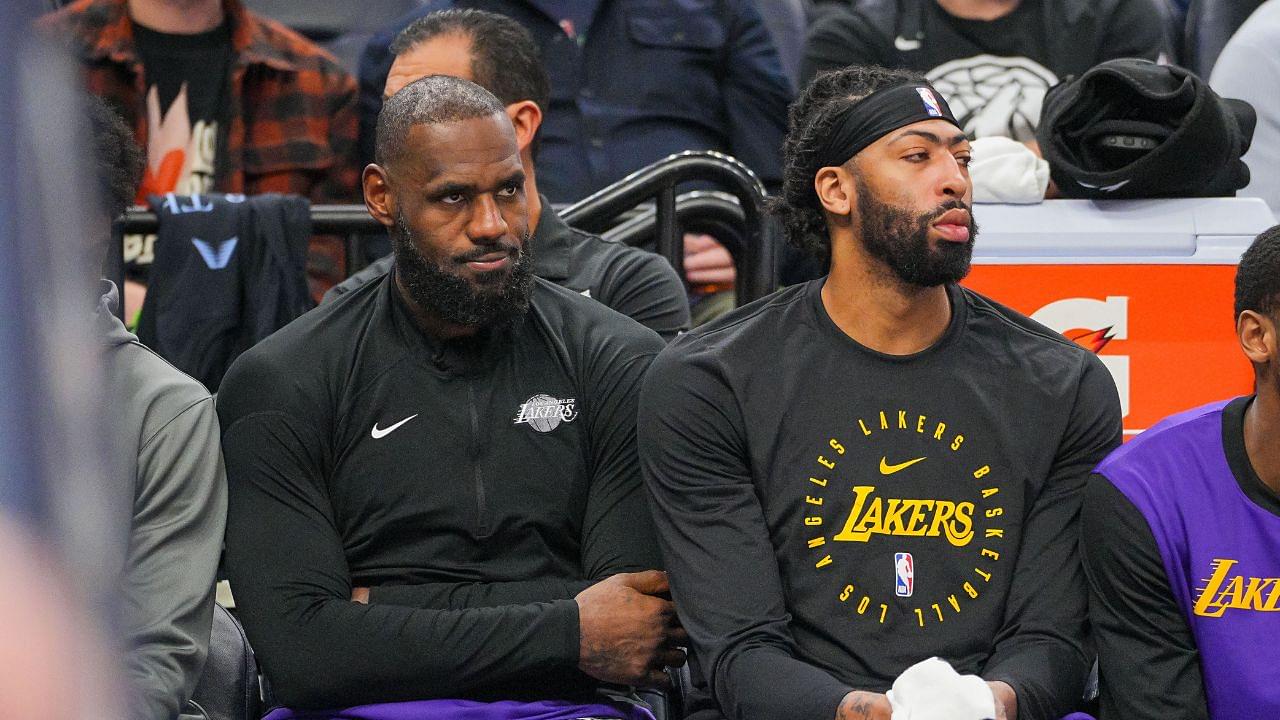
904	581
931	105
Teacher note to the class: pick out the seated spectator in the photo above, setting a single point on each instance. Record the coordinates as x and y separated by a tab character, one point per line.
993	59
1249	69
632	82
1181	544
495	52
894	463
434	489
223	100
164	423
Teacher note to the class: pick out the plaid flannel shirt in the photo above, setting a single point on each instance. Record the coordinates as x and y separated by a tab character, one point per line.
293	108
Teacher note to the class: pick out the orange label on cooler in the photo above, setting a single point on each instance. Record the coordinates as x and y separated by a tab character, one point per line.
1166	332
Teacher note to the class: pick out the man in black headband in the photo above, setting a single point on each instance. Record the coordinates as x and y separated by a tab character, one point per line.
879	466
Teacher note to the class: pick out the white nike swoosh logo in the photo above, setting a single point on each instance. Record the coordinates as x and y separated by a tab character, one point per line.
378	434
906	44
1105	188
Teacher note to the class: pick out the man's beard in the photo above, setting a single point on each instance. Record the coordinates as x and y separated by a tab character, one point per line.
901	241
495	297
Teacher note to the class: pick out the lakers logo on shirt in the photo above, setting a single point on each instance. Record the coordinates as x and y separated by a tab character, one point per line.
910	517
894	478
1225	591
545	413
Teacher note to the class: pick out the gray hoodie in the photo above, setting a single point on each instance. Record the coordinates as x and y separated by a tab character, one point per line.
164	423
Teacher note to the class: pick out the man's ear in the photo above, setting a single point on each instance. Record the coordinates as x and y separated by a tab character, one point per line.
379	198
526	116
1257	335
836	191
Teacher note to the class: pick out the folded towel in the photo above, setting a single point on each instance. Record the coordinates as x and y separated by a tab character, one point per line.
1006	171
932	690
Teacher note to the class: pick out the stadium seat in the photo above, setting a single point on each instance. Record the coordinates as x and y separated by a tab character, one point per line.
228	687
1210	24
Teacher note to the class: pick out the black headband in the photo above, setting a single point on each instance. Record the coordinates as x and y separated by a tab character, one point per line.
883	111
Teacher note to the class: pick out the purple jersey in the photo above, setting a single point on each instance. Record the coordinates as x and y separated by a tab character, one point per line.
469	710
1192	482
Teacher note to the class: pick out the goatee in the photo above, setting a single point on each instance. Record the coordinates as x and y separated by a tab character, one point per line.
901	240
493	298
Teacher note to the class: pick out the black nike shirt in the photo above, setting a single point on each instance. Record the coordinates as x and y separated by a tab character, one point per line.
831	515
476	486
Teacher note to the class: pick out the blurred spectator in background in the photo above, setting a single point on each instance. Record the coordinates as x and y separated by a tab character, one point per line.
56	485
632	82
994	60
1249	69
498	54
166	430
222	100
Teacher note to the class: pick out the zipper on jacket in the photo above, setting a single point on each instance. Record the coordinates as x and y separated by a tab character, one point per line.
482	512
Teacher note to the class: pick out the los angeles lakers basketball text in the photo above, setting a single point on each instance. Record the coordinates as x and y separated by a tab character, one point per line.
859	508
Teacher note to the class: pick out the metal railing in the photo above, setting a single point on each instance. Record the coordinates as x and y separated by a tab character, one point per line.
755	257
715	213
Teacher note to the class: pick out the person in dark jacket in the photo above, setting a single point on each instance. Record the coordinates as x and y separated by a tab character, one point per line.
435	500
994	60
498	54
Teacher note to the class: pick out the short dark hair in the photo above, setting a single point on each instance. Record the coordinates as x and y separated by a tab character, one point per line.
808	125
505	60
117	159
429	100
1258	275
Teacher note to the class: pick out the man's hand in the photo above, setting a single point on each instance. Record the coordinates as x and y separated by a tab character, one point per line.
706	261
629	629
1006	700
862	705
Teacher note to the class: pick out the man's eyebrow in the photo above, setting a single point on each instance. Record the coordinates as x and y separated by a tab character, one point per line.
450	188
460	188
932	137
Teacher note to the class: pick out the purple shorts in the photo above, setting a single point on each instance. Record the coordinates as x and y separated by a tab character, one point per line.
469	710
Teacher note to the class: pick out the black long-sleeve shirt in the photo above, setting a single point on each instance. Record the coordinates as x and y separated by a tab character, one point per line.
475	485
831	515
1152	666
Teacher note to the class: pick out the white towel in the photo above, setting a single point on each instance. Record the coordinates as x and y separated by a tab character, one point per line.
932	690
1006	171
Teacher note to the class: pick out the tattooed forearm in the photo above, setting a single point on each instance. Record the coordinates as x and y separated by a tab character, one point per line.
859	705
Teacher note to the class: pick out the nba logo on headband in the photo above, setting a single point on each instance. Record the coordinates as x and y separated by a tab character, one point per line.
931	105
